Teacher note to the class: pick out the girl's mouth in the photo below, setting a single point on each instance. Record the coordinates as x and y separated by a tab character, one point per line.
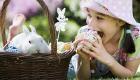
100	33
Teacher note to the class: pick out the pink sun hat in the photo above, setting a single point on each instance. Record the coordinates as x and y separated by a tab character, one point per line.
121	9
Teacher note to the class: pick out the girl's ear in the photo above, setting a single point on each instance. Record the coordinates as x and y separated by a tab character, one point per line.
32	28
25	29
120	23
58	11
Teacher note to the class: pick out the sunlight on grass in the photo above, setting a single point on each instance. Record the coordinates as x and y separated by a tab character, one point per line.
138	71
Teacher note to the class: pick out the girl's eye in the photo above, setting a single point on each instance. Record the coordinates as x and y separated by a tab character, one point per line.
99	18
30	42
89	15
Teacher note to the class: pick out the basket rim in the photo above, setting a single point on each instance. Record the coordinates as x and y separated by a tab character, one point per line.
35	55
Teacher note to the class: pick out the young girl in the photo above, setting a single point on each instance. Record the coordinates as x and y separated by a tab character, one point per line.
116	52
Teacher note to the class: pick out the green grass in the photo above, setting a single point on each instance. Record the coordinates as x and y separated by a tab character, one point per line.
136	77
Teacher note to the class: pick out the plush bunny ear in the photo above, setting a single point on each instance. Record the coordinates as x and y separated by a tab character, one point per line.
63	11
58	11
25	29
32	28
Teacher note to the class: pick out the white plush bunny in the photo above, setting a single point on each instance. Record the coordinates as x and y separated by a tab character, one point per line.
28	42
60	25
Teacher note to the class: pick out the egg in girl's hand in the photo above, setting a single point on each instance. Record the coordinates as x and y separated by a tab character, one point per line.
85	34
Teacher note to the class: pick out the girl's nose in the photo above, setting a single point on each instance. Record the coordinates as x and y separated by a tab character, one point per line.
91	22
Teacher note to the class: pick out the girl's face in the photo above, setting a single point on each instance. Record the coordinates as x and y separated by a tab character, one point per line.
107	25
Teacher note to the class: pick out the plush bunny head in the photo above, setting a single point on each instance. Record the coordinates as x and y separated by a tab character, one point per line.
61	17
30	42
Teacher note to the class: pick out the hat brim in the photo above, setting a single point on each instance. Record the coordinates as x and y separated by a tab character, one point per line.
92	4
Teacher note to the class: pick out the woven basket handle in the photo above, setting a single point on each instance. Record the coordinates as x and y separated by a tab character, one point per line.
51	27
2	20
46	12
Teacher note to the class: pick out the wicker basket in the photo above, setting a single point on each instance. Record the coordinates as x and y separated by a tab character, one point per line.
37	66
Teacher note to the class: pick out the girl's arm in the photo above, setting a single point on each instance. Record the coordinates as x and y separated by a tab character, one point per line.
128	71
117	69
131	65
99	52
83	69
83	72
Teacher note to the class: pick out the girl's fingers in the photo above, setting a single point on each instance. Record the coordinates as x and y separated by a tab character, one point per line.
75	43
82	54
99	38
79	47
89	46
95	44
92	54
78	41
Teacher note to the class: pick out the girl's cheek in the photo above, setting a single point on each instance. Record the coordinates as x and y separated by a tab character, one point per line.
88	20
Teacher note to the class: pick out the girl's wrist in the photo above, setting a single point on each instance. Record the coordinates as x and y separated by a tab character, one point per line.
85	59
110	63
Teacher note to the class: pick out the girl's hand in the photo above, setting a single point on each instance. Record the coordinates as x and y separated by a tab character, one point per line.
78	39
97	50
78	44
82	55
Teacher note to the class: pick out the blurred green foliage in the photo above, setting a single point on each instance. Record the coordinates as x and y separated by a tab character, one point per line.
40	22
136	10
